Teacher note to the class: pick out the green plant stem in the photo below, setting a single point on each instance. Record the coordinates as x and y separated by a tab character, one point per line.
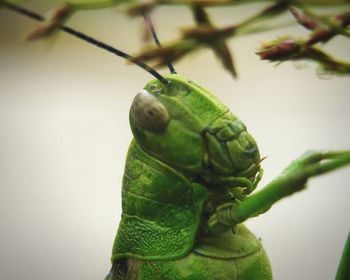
343	271
289	182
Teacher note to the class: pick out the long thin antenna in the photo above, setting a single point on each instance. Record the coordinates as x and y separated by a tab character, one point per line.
155	38
86	38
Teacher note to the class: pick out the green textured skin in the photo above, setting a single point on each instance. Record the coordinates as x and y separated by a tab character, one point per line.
232	256
161	210
174	180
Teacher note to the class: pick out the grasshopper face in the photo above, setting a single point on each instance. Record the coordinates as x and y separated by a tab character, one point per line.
185	126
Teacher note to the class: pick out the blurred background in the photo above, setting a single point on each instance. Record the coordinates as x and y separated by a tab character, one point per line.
64	135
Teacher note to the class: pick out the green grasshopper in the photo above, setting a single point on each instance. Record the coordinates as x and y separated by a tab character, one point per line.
189	183
189	177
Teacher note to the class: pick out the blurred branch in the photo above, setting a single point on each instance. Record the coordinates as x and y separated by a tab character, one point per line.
288	49
219	47
323	29
88	39
205	34
152	4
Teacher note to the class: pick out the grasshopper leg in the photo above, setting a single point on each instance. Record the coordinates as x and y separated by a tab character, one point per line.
291	180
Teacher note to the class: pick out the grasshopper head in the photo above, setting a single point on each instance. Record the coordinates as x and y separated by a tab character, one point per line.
185	126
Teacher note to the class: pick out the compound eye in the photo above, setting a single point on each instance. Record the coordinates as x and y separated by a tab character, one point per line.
149	113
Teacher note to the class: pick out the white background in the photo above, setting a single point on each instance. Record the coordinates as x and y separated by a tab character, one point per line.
64	135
